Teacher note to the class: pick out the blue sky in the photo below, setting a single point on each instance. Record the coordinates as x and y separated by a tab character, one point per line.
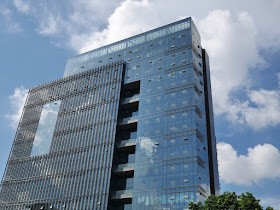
242	39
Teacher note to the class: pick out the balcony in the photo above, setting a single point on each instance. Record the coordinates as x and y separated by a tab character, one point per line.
122	195
126	143
124	169
128	120
132	99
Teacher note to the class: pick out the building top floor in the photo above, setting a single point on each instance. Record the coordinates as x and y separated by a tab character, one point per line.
78	63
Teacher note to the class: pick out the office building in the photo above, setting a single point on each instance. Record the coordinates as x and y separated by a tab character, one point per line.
129	126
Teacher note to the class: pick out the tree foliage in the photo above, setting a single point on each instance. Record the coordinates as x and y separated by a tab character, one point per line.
229	201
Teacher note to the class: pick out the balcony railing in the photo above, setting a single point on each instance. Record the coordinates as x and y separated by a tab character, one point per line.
126	143
130	99
128	120
122	194
128	167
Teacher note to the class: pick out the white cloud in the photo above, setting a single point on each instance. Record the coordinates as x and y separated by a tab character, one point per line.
267	110
130	18
222	36
261	162
65	20
22	6
233	38
17	101
271	201
233	49
50	26
10	25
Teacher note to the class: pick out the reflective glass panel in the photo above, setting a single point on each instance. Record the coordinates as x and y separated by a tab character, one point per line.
43	137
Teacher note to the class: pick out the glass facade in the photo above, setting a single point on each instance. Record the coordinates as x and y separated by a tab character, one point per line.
44	133
130	126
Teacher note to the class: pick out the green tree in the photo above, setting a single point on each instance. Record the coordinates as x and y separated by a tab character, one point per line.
248	201
211	202
229	201
196	206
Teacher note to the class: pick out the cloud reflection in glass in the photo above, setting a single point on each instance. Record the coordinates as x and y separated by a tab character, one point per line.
43	137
